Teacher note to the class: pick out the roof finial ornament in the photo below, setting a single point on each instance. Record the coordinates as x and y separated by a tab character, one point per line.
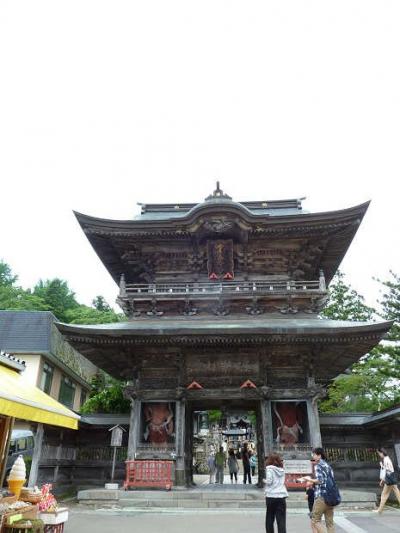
218	194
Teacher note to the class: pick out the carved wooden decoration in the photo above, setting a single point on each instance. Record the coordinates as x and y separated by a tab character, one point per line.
248	384
220	259
194	385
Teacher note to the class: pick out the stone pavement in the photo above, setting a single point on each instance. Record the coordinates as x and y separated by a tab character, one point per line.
217	521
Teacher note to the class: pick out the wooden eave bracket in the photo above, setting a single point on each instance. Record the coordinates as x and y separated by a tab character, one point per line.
248	384
194	385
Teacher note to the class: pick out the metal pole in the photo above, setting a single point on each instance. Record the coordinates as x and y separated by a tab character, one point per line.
113	463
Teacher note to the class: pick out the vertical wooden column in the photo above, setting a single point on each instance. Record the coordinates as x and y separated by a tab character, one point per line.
37	452
313	423
266	425
180	417
134	428
6	426
58	456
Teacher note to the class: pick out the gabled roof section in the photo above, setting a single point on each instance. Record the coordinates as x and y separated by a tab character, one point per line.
113	239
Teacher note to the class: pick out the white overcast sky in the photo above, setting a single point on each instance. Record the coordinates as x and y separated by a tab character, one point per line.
104	104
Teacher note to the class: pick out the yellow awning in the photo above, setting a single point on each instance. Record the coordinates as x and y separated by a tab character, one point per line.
20	400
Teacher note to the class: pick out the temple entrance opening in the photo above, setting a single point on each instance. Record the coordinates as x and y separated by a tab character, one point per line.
235	429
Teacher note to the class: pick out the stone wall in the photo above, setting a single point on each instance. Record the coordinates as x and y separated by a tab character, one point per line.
71	357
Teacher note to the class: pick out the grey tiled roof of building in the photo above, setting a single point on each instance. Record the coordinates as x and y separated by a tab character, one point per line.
26	331
34	332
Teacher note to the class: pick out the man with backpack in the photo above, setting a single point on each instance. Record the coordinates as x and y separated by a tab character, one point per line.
326	492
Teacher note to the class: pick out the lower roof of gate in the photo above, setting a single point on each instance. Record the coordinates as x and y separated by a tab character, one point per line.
121	348
224	326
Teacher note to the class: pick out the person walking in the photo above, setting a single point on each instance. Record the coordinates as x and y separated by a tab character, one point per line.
211	466
323	471
246	463
220	462
275	494
233	465
388	479
310	497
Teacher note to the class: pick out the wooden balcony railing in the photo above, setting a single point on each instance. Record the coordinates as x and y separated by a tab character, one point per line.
212	288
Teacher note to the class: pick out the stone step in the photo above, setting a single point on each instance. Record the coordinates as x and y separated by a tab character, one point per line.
207	499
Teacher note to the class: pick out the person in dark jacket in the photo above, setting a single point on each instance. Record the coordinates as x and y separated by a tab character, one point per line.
233	465
246	453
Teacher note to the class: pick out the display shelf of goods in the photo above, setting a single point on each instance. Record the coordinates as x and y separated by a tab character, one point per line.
59	516
13	510
30	495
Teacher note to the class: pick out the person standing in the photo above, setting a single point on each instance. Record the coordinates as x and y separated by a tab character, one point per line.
388	479
275	494
246	463
211	466
322	472
233	465
220	461
253	464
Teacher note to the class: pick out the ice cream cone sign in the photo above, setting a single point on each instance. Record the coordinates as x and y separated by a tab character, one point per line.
17	476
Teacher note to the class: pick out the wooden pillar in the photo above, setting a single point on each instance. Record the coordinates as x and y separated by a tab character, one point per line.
188	450
6	426
313	423
134	428
37	452
266	425
397	453
58	456
180	417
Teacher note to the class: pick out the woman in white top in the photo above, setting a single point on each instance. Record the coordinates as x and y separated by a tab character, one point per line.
386	468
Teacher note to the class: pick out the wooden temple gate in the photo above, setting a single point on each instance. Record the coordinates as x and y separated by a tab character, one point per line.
218	295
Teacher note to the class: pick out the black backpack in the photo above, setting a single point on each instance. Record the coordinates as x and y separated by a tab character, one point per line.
332	495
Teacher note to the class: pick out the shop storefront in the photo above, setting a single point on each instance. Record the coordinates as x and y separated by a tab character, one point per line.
21	400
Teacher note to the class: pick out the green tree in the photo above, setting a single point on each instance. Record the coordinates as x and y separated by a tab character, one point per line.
89	315
387	353
345	303
7	278
100	304
13	297
58	297
107	396
214	416
371	384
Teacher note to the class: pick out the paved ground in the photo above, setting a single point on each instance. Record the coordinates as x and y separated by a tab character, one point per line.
217	521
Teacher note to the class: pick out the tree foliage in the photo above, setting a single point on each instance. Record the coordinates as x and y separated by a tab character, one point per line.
371	384
100	304
52	295
58	297
7	278
214	416
106	396
345	303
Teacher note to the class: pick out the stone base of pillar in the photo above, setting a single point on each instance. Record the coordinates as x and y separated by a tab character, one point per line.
180	478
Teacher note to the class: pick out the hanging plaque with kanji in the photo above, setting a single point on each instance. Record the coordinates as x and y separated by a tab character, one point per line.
220	259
